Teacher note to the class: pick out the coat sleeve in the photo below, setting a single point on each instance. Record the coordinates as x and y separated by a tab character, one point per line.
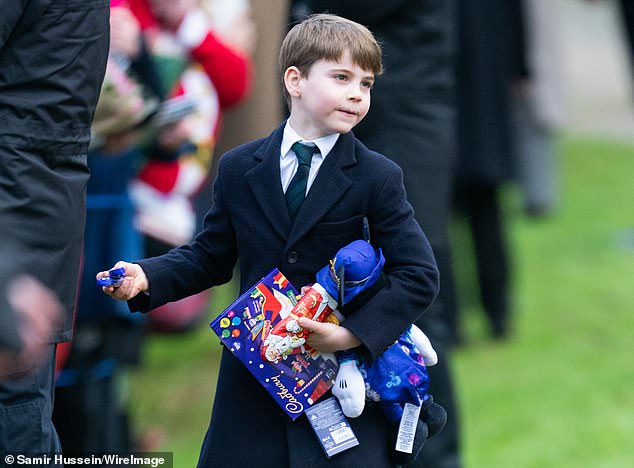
411	274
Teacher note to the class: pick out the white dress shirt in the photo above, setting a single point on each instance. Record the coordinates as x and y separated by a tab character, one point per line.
288	159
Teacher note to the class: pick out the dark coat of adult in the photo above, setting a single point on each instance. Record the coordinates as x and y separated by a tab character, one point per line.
627	14
490	57
249	223
50	78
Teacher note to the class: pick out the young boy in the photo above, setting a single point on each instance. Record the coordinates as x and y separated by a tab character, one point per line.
328	64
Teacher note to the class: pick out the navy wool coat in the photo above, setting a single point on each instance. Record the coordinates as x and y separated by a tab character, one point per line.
249	224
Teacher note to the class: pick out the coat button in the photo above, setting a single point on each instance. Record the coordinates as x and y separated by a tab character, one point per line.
292	257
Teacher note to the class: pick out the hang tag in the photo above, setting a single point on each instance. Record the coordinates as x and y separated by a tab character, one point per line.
331	427
407	428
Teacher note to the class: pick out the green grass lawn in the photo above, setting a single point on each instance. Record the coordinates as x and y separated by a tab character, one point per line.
557	394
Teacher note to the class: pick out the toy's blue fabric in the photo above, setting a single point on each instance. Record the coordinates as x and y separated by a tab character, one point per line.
399	374
362	265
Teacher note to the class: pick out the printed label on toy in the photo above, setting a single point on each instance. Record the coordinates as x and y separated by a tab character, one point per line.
407	428
331	427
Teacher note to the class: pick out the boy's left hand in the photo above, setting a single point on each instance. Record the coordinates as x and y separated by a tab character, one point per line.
328	337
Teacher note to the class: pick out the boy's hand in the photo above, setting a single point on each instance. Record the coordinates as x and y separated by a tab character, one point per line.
134	282
328	337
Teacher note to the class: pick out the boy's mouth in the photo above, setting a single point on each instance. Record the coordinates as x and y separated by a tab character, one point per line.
349	112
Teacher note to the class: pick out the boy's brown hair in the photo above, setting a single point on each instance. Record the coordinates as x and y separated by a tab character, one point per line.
326	37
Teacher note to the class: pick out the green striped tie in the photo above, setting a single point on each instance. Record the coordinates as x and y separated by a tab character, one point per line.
296	191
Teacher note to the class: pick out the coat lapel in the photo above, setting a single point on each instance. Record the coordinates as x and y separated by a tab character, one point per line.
329	185
265	181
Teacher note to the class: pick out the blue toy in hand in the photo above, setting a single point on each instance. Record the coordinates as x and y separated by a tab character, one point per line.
115	278
398	379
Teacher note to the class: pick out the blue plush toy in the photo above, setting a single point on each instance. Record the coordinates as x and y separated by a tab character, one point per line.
397	379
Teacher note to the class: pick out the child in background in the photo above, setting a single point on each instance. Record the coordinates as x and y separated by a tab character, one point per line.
202	73
204	69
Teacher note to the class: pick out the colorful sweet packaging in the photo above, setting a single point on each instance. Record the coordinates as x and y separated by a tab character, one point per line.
298	379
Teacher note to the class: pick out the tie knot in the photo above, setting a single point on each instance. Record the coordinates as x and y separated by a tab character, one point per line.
304	153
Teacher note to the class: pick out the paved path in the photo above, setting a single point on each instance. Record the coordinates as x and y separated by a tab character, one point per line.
599	84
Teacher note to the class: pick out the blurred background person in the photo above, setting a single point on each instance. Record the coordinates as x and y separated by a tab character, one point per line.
412	121
539	108
262	110
490	62
52	61
200	69
627	14
204	70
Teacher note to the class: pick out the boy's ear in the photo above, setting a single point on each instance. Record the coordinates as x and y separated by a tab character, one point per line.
292	78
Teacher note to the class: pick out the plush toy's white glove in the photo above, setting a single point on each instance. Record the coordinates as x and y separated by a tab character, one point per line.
349	389
424	346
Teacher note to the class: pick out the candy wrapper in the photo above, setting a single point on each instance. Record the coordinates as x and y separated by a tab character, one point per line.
297	379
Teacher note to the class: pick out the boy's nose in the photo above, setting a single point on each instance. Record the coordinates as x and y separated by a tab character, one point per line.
354	94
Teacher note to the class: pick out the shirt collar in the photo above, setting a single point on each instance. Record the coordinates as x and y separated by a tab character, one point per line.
325	144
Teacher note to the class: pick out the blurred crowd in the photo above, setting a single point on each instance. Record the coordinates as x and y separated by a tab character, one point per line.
470	103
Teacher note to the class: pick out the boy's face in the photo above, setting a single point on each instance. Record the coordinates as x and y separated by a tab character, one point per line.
333	98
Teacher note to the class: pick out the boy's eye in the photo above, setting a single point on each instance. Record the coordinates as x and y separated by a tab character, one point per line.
340	77
367	84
